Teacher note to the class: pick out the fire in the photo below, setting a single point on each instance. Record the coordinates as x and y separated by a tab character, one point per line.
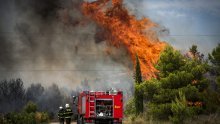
124	29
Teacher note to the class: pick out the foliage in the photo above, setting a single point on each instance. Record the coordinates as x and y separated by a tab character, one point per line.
41	117
212	101
160	111
30	107
193	50
177	73
138	94
28	115
170	61
12	95
130	107
180	110
218	84
138	75
150	88
214	58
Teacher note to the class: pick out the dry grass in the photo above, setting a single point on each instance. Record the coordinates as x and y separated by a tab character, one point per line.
201	119
142	120
205	119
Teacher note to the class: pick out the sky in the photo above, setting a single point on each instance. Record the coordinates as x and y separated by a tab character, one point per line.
188	21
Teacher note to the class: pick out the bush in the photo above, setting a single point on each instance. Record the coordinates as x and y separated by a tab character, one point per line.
212	102
160	111
218	84
41	117
180	109
20	118
130	107
29	115
30	107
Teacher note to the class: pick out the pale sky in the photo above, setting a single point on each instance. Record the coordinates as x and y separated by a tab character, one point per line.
189	21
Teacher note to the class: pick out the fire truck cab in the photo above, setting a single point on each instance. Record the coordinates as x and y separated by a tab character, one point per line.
99	107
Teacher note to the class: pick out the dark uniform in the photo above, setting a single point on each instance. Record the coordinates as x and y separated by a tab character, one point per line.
61	115
67	114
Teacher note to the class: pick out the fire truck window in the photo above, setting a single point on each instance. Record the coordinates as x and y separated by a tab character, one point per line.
104	108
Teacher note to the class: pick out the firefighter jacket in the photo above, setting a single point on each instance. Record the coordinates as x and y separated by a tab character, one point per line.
61	113
68	112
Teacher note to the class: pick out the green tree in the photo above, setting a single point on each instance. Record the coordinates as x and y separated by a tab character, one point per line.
138	75
180	109
138	94
170	61
176	73
30	107
214	58
193	50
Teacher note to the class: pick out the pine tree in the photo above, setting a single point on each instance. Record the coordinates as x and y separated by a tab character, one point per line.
138	95
193	50
176	73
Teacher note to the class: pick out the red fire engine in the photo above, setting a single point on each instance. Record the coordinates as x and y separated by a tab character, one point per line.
99	107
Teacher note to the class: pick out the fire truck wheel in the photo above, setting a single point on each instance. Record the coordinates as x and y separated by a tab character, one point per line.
80	120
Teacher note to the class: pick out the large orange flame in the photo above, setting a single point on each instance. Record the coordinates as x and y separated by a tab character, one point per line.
125	30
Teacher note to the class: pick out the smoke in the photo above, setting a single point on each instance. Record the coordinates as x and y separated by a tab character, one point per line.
50	41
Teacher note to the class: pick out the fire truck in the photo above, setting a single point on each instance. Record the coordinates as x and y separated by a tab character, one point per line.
99	107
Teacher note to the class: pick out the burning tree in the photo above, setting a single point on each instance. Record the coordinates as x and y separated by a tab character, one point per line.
123	30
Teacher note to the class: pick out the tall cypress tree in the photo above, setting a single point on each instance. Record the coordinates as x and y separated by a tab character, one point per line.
138	75
138	95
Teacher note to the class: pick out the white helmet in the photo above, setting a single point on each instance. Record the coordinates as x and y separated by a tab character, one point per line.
61	107
67	105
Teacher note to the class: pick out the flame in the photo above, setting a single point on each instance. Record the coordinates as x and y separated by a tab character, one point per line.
123	29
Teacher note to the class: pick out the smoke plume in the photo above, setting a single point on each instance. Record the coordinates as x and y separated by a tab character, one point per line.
51	41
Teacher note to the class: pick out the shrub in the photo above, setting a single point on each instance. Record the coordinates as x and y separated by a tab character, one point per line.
29	115
30	107
160	111
130	107
180	109
41	117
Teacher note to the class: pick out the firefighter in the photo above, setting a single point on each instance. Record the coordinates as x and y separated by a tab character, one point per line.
61	115
68	113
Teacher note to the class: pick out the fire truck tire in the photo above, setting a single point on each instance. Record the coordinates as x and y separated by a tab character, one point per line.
80	120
